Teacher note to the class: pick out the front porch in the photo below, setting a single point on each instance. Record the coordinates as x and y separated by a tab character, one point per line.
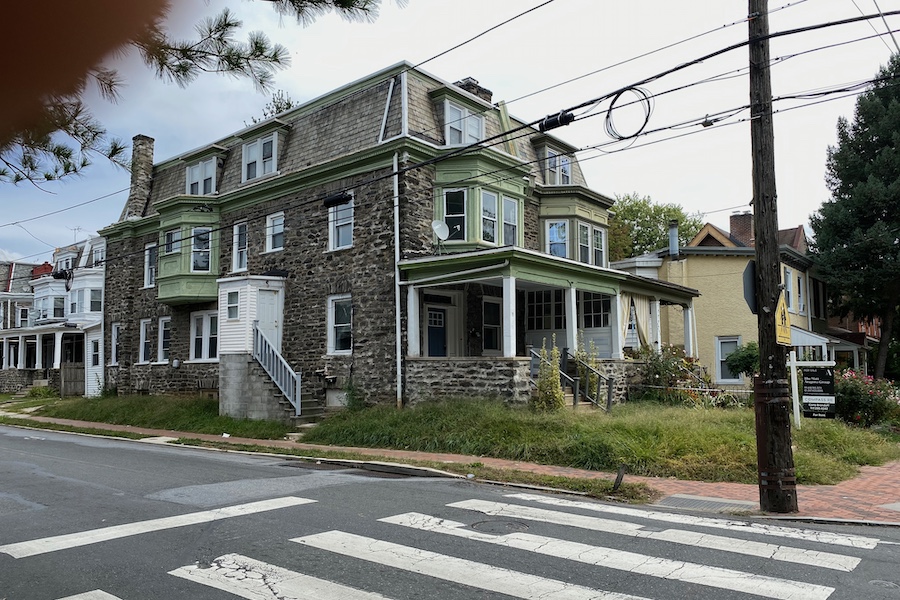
472	316
68	356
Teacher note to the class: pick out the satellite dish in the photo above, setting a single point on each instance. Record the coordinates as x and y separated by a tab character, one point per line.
440	230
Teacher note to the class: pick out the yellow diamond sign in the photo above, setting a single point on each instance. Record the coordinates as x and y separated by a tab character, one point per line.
782	322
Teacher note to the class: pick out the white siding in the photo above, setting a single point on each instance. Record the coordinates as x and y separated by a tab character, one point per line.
93	384
236	336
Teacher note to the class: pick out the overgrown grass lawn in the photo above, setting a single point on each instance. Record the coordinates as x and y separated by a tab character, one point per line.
197	415
649	439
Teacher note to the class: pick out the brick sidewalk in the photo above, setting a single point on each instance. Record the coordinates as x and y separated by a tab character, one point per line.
864	498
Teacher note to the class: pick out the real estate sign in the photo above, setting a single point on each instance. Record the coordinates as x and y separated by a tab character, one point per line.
818	392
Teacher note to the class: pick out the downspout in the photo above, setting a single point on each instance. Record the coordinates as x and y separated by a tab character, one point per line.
397	325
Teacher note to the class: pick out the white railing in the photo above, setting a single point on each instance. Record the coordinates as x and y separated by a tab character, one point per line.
287	380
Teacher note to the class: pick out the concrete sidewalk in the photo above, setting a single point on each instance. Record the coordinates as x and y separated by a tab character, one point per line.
872	497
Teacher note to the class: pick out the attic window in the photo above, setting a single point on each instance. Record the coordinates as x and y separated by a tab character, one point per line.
462	125
559	168
201	177
260	157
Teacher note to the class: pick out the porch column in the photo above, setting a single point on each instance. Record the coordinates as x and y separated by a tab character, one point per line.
5	364
655	325
413	318
21	363
38	354
617	338
57	349
689	330
572	319
509	316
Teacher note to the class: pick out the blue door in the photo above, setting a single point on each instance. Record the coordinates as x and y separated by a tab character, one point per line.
437	331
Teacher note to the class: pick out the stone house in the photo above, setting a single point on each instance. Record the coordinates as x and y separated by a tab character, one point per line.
401	234
714	262
57	336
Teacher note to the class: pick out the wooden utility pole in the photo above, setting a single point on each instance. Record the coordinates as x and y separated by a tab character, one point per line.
777	479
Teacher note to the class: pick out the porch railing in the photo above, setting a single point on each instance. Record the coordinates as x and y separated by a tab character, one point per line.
589	386
287	380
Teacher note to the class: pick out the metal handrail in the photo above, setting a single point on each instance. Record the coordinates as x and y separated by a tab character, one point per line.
287	380
563	376
610	383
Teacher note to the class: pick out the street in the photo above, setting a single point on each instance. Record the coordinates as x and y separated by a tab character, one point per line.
92	518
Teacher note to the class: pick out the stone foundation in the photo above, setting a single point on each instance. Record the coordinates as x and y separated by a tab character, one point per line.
467	377
13	380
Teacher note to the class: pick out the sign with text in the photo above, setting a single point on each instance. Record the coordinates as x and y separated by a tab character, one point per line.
818	392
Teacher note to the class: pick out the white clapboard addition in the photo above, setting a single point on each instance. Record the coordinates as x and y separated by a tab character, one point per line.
105	534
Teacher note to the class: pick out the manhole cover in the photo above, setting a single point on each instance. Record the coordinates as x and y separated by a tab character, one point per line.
500	526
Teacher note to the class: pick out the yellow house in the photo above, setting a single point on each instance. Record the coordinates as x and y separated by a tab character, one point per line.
714	263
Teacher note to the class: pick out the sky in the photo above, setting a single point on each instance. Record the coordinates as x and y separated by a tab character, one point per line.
599	45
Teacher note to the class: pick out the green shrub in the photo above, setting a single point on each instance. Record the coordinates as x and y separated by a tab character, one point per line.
549	395
42	392
744	360
862	400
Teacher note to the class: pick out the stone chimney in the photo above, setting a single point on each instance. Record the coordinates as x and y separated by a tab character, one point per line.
741	225
471	85
141	177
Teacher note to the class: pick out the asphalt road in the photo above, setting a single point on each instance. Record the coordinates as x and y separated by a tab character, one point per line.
99	519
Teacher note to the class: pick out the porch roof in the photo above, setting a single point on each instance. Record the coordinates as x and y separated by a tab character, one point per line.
533	270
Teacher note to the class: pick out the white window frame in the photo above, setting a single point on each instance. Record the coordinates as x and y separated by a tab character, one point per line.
461	126
95	353
584	243
61	309
240	252
76	301
144	347
233	305
172	241
253	155
598	260
272	221
340	217
95	297
98	256
801	294
115	331
150	265
559	168
332	325
206	335
456	222
548	243
488	219
507	223
198	249
789	289
498	327
164	343
720	358
199	174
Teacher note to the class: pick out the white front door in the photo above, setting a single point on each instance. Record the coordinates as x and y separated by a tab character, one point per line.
268	313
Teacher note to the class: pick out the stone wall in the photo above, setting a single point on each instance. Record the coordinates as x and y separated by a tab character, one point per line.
478	377
625	372
13	380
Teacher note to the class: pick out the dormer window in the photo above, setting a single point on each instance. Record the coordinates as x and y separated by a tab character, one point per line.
260	157
462	125
559	168
201	177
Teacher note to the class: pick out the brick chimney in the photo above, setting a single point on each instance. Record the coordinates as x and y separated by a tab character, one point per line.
741	225
141	176
471	85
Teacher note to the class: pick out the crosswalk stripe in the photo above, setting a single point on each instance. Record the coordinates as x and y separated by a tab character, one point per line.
612	558
84	538
93	595
256	580
457	570
823	537
801	556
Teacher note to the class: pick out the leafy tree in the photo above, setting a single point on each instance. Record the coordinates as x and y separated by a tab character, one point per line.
857	231
640	226
47	132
